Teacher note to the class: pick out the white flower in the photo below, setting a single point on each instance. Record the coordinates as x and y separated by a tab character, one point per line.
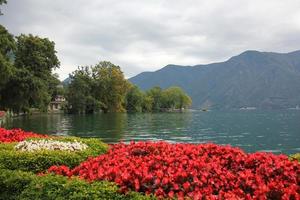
35	145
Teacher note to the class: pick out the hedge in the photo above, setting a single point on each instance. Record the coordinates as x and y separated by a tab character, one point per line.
20	185
295	157
39	161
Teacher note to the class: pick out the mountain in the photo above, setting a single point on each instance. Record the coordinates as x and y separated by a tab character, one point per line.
67	81
251	79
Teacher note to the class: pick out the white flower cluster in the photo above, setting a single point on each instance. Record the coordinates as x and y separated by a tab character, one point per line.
35	145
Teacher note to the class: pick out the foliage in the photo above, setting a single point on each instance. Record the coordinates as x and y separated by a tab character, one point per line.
7	45
19	185
27	81
111	86
36	54
175	98
79	92
204	171
101	87
295	157
156	99
156	94
39	161
134	99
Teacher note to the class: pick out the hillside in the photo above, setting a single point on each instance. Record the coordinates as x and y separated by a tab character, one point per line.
251	79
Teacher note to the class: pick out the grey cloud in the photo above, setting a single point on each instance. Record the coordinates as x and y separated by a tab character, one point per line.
141	35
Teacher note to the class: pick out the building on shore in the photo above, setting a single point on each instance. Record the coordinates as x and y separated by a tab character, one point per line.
57	104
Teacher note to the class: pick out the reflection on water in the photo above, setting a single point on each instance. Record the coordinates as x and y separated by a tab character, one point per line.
270	131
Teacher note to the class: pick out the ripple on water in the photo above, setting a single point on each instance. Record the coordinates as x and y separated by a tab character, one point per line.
245	133
271	150
183	138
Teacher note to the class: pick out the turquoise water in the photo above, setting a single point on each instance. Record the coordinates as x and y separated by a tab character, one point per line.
271	131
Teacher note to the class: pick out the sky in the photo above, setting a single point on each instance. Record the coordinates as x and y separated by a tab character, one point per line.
146	35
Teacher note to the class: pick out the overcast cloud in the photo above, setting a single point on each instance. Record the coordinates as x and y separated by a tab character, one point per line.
145	35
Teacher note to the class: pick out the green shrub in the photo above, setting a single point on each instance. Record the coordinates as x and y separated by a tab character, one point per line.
39	161
295	157
20	185
12	183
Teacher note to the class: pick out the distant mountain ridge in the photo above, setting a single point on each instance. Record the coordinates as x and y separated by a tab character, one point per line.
250	79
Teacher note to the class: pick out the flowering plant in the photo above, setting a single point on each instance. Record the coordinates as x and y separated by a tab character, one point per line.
35	145
17	135
204	171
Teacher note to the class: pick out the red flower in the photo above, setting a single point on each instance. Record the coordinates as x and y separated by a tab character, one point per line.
17	135
204	171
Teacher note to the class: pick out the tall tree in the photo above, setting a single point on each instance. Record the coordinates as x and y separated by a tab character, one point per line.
35	58
38	55
111	86
79	93
156	94
134	99
175	98
7	46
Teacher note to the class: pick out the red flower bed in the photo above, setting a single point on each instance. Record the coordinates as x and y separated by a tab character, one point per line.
2	114
17	135
205	171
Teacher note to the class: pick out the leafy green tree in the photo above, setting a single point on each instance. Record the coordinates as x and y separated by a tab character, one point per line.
55	87
110	86
135	100
79	93
147	103
7	45
24	91
38	55
155	94
32	79
175	98
101	86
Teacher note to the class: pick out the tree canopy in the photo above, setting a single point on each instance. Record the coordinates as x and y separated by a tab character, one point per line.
26	64
100	87
7	46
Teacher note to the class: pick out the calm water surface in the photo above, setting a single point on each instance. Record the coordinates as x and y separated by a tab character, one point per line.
271	131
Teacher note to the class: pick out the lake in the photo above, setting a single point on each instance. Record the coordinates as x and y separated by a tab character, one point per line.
252	130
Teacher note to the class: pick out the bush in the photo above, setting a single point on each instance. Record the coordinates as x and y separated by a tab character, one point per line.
203	171
39	161
295	157
19	185
12	183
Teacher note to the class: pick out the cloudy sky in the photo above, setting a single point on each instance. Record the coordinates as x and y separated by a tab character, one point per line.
145	35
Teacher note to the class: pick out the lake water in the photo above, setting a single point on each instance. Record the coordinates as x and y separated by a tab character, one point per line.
271	131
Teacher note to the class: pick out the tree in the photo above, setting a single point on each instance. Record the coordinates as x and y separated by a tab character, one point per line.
79	93
38	55
7	46
24	91
155	94
110	86
147	103
55	87
135	100
175	98
30	84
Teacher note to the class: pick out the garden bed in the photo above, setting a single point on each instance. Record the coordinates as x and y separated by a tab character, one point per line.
34	166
